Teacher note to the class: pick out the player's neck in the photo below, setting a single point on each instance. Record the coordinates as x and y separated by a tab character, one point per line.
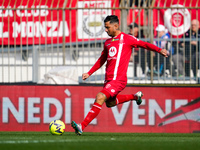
116	33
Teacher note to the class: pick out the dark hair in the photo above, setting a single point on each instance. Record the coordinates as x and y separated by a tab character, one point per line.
133	25
112	19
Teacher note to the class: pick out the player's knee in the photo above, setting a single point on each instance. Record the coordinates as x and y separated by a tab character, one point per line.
110	104
100	98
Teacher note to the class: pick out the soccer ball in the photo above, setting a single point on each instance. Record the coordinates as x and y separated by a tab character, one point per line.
57	127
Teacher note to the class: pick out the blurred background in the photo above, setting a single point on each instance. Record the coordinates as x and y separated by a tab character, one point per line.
54	42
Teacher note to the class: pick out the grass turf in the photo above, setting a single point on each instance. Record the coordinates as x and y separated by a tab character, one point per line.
98	141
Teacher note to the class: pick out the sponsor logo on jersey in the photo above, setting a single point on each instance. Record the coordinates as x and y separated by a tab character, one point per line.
112	51
177	21
115	40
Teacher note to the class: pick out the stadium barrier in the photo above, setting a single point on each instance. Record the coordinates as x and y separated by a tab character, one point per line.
164	109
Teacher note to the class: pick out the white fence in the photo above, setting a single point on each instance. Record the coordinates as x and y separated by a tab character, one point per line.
41	35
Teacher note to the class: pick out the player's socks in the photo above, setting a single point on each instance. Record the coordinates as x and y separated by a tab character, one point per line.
94	111
125	98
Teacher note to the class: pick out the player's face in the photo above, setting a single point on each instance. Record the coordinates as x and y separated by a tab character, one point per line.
111	28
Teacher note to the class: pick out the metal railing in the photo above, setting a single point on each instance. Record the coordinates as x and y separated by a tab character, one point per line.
37	36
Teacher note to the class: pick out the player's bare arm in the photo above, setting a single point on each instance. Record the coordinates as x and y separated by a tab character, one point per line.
164	52
85	76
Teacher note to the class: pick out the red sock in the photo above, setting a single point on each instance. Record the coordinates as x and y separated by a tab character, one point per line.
94	111
125	98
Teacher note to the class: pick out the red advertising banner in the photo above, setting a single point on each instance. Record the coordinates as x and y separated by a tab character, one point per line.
164	109
137	16
177	18
45	22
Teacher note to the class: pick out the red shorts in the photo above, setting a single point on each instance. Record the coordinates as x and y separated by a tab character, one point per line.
112	88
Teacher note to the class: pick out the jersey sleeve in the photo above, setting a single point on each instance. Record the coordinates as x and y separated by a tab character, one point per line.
148	46
138	43
102	59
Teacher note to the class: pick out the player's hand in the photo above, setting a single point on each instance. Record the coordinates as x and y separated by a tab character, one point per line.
164	52
85	76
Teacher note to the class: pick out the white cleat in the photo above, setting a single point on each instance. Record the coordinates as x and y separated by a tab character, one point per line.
139	99
77	128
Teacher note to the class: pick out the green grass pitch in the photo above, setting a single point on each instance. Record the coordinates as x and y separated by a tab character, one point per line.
98	141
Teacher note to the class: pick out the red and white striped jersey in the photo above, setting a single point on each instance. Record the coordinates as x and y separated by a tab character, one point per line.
117	52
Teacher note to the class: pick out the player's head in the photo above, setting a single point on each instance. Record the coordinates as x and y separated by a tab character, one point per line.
111	19
111	24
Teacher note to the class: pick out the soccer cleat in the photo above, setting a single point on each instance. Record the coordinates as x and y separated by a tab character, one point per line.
139	97
77	128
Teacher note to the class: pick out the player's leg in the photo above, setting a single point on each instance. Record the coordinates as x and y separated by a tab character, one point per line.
115	88
94	111
119	99
124	98
111	90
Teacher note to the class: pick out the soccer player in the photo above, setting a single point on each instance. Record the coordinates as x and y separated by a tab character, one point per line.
117	51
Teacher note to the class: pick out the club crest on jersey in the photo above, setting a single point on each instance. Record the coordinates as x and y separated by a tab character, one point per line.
112	51
108	86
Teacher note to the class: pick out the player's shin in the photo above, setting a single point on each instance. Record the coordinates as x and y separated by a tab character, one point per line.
94	111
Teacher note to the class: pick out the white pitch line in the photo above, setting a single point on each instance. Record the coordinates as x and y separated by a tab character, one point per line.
33	141
49	141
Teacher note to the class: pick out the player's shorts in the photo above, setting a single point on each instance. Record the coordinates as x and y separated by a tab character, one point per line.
112	88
